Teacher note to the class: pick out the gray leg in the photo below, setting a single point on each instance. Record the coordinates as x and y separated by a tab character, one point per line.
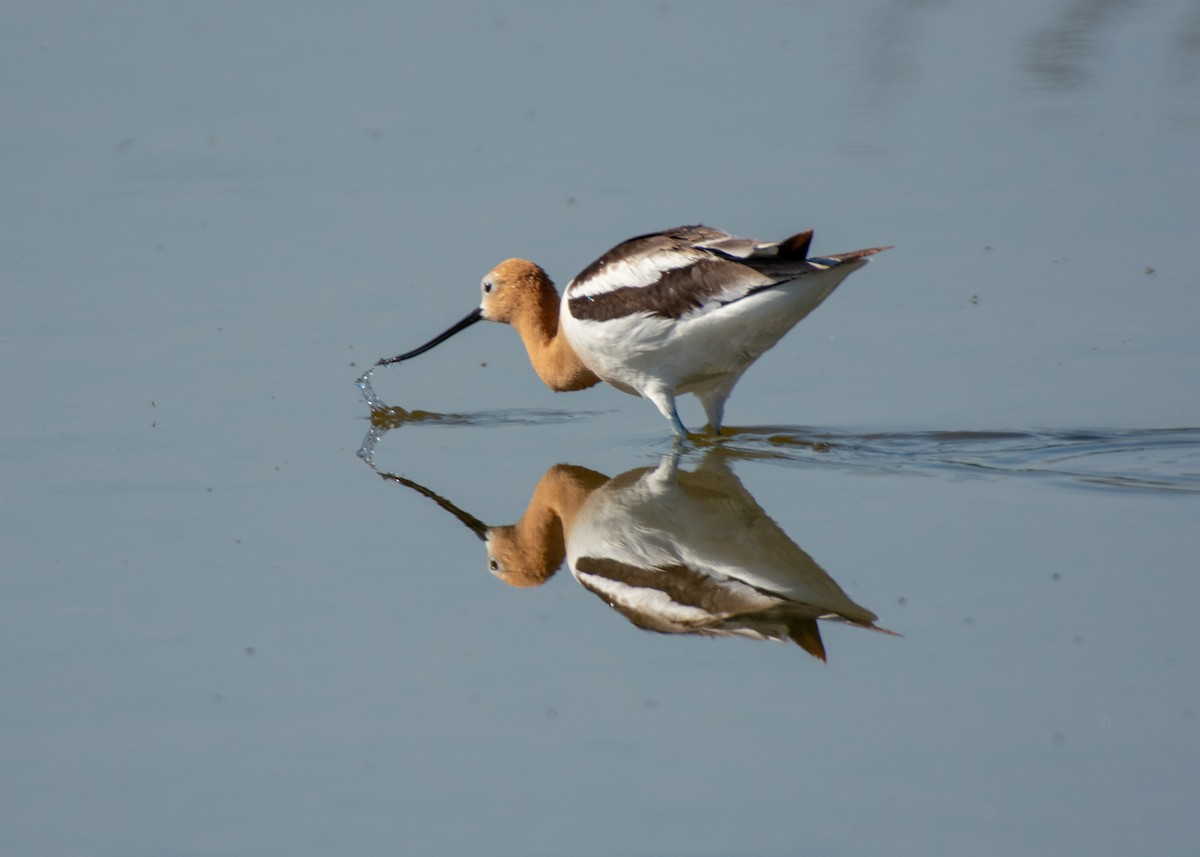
664	400
714	408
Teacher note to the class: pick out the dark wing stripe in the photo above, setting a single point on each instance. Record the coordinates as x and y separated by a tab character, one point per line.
684	586
680	239
725	269
676	293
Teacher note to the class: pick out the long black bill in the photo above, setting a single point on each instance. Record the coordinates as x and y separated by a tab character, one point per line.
478	527
476	315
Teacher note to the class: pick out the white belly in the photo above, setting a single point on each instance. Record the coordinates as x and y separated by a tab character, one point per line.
700	350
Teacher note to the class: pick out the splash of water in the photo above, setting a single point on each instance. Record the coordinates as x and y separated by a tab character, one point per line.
368	392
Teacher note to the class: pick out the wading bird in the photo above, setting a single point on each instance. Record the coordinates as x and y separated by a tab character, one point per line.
686	310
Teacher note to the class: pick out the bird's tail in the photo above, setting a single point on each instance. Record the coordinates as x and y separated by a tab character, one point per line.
835	259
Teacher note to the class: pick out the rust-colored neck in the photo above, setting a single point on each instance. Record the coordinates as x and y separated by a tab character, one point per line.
526	298
531	550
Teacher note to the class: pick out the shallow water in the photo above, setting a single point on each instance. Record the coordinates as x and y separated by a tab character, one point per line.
1123	459
224	633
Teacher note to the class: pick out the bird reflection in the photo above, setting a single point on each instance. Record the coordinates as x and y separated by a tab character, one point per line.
673	551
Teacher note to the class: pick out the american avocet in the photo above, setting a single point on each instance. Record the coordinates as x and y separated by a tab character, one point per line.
673	551
686	310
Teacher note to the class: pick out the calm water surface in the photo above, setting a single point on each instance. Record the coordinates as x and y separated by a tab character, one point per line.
224	633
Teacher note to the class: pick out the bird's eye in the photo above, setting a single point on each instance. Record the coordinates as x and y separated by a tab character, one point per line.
487	287
493	565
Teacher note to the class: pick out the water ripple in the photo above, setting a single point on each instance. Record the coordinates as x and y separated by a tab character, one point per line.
1166	460
385	418
1155	460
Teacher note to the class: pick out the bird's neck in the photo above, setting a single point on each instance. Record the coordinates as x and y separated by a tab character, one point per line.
555	362
533	548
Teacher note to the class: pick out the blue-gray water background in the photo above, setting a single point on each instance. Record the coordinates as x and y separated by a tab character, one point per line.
221	633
